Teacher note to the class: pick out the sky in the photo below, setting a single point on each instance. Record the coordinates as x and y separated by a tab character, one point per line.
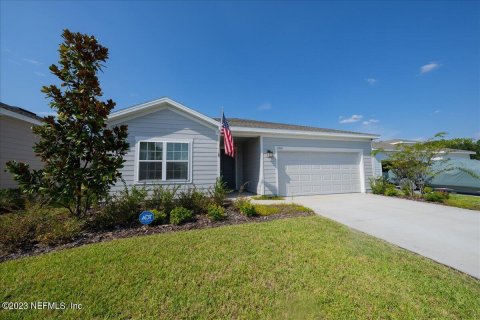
399	69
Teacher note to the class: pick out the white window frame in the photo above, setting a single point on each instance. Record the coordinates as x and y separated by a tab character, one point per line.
164	161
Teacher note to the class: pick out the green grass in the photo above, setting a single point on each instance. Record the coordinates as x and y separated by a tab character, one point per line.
265	197
307	267
463	201
284	208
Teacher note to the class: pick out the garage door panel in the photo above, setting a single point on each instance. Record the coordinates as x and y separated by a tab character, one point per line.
304	173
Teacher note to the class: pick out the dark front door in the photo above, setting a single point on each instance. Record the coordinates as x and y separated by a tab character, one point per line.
227	170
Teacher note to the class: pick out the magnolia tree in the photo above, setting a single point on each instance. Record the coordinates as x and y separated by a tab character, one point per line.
81	154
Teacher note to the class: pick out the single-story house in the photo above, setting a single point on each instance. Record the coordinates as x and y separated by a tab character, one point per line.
16	140
387	147
171	144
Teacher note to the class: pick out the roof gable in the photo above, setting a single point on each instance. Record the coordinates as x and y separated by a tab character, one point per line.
159	104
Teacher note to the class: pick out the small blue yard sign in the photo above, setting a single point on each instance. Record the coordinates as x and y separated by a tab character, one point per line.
146	217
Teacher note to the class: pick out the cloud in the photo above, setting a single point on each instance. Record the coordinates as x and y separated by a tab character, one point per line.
265	106
429	67
40	74
352	119
35	62
370	121
371	81
437	111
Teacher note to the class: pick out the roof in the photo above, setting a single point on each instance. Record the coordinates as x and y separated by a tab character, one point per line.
391	145
19	113
246	123
237	125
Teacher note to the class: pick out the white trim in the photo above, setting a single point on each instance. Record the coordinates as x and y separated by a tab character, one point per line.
362	172
219	154
155	105
11	114
164	180
236	167
359	152
276	132
261	177
315	149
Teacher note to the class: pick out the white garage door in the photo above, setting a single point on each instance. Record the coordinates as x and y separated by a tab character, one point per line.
308	173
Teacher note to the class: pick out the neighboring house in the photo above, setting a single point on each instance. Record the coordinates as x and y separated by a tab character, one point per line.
171	144
16	140
388	147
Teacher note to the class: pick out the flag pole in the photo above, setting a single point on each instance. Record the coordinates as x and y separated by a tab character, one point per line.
219	144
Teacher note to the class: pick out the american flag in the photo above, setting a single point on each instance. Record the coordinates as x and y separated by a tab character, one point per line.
227	137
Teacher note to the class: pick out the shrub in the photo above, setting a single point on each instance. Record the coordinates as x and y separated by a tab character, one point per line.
219	192
162	199
407	188
433	197
436	196
180	215
444	194
160	217
193	200
55	226
47	226
245	206
11	200
120	210
380	185
16	232
216	212
427	190
391	192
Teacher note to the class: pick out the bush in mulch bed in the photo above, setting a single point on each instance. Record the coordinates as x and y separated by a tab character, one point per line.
231	217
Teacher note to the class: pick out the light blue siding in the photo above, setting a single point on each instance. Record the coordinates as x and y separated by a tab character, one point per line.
167	124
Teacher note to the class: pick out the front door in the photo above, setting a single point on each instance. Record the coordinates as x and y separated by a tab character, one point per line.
227	170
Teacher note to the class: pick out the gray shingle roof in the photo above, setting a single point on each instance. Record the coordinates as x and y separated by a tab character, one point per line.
246	123
21	111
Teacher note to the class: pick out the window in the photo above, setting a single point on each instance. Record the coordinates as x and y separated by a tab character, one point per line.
156	164
150	162
177	161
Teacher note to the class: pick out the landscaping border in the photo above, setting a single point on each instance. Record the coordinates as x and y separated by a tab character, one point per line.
233	217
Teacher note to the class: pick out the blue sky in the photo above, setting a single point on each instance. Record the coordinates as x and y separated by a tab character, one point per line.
400	69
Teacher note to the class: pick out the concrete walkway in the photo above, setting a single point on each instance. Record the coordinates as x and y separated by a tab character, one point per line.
445	234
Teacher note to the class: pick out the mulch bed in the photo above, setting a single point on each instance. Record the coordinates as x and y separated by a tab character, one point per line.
233	217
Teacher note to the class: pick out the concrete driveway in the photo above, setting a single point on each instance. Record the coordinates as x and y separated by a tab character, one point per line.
445	234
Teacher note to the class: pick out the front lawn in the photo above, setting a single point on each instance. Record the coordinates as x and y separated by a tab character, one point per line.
463	201
307	267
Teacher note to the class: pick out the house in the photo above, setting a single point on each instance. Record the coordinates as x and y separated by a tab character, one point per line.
388	147
171	144
16	140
